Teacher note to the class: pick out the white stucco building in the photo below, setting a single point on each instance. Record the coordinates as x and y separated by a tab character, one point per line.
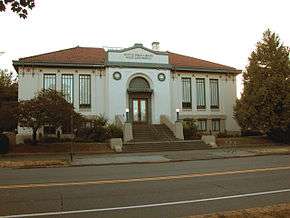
148	82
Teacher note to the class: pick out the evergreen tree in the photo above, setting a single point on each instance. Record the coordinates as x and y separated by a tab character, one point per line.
265	102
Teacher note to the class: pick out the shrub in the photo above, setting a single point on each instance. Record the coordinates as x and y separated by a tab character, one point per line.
28	141
4	144
100	120
251	133
114	131
280	135
49	140
190	129
98	134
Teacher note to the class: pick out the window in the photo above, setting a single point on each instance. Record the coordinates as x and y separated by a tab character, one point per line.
85	91
67	86
202	125
186	93
215	125
214	93
49	81
200	92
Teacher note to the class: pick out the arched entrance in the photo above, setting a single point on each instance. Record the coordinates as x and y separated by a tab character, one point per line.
139	93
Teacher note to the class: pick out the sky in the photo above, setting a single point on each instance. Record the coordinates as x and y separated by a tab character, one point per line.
223	31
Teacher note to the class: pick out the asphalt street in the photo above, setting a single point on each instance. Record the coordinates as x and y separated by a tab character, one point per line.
146	190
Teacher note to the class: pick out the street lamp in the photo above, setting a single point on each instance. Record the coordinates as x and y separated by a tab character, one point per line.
177	114
127	115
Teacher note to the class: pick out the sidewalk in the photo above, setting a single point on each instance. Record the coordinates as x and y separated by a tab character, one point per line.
148	157
174	156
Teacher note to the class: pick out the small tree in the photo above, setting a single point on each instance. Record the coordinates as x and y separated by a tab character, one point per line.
48	108
8	101
265	102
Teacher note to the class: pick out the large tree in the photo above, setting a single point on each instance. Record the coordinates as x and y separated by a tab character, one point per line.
19	7
8	101
265	102
50	108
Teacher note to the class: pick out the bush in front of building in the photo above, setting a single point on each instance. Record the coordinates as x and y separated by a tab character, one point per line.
280	135
98	130
190	130
114	131
4	144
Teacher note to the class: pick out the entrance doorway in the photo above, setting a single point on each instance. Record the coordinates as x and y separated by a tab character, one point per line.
140	110
139	94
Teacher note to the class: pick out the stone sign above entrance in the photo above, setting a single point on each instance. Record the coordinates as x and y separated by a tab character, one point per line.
137	54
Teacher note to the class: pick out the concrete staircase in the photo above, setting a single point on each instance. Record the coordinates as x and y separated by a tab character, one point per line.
150	138
152	133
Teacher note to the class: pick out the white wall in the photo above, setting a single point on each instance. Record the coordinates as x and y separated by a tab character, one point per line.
118	97
227	97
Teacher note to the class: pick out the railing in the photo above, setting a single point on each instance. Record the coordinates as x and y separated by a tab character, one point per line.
176	127
126	127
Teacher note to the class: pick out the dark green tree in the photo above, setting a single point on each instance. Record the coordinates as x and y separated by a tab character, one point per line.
265	102
50	108
8	101
19	7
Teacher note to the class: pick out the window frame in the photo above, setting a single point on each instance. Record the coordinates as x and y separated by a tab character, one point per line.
187	105
44	79
219	125
72	88
202	120
197	94
88	89
217	94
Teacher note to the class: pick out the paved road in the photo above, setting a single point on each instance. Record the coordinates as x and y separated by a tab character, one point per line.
146	190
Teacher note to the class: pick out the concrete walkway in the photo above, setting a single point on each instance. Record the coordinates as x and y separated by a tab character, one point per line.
151	157
171	156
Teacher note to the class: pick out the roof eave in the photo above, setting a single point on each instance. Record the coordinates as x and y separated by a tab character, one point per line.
17	64
208	70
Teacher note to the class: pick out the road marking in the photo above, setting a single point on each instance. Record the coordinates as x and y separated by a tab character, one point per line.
144	179
147	205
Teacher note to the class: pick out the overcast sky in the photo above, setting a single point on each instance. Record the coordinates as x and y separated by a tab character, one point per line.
223	31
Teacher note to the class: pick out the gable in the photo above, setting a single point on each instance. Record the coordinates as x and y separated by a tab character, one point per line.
137	54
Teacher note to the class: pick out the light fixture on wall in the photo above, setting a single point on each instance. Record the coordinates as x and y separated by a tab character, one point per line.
177	114
127	115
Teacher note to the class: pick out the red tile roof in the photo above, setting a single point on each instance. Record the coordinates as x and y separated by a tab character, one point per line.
76	55
178	60
87	55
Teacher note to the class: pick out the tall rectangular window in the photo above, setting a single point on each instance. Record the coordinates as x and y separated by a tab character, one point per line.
186	93
200	93
214	93
49	81
85	91
215	125
202	125
67	86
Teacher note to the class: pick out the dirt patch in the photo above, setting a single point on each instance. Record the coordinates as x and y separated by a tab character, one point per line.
32	163
76	148
280	210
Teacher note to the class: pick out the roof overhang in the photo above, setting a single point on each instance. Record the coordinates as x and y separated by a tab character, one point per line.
17	64
207	70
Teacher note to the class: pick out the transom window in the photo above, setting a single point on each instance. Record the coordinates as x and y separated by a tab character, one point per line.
67	86
202	125
186	93
85	91
214	93
49	81
200	93
215	124
139	83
